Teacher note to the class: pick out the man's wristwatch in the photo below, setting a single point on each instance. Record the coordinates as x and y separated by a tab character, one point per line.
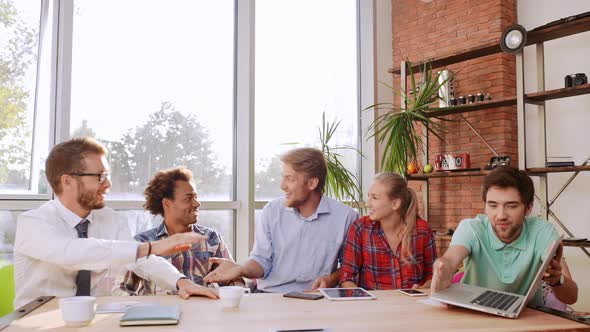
560	282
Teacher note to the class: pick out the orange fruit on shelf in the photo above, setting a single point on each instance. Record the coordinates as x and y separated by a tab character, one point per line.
412	168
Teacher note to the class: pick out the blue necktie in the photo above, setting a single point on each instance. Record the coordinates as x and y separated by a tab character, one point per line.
83	278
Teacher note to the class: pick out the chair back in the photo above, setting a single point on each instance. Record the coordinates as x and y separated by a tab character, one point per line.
6	288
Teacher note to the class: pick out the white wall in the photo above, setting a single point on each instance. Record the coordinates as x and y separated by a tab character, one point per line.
567	121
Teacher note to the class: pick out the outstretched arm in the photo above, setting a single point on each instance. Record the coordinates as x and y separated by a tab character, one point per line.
228	270
445	267
172	244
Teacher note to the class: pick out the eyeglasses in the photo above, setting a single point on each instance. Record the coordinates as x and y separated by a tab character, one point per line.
102	177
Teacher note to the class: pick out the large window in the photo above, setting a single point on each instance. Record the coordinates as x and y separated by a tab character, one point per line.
169	83
304	66
155	85
19	50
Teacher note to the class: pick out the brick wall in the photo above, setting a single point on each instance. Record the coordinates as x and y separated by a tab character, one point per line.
425	30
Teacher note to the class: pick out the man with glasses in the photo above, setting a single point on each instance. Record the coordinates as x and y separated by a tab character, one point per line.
102	177
73	245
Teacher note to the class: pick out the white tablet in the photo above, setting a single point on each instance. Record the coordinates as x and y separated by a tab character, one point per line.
346	294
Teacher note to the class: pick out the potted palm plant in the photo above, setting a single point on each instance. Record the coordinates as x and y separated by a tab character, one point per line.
397	128
341	183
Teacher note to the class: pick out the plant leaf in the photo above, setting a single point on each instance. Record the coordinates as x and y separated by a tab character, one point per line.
396	129
341	183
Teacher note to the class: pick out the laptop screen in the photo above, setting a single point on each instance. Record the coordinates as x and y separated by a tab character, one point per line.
551	250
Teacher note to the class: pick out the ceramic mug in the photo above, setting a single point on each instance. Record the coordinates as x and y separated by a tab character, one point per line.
78	310
231	296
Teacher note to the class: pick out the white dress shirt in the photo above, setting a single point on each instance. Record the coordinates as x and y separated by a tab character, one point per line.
48	253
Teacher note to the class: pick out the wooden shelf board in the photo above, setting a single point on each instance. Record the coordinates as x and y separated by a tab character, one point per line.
543	170
490	104
472	53
558	31
540	97
533	98
576	243
447	174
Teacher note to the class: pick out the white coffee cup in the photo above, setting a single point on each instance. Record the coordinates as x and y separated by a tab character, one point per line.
232	295
77	311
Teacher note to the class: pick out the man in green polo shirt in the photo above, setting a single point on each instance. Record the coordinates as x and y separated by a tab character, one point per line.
504	248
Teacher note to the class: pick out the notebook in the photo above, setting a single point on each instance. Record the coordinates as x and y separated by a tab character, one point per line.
492	301
156	314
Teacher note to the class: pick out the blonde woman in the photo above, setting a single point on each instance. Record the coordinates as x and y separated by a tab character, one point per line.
392	247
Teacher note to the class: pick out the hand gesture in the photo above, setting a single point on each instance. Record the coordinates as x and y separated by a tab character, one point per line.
554	270
187	287
326	281
442	276
177	242
227	270
424	286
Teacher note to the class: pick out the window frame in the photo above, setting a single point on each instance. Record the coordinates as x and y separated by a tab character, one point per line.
48	17
243	203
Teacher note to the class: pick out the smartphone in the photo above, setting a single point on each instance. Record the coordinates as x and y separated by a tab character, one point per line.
305	296
411	292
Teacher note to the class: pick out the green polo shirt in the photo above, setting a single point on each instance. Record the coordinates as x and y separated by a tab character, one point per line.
494	264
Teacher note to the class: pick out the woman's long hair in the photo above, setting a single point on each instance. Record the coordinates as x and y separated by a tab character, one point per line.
397	188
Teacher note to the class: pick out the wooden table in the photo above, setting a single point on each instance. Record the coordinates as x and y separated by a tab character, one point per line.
392	311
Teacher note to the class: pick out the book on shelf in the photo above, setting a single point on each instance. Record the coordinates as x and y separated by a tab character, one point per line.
559	161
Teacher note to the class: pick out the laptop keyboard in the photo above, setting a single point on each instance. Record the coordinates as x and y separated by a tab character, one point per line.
495	300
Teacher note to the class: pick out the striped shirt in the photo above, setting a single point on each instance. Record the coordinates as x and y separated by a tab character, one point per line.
194	263
369	262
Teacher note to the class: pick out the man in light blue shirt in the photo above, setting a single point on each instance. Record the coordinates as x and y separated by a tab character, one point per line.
298	238
504	248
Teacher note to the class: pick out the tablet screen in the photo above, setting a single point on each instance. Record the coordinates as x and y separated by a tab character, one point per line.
345	292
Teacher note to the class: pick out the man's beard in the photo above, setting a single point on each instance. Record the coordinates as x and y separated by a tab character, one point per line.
296	202
89	200
510	234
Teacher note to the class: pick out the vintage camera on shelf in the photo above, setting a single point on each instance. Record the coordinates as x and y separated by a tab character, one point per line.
448	162
499	160
575	80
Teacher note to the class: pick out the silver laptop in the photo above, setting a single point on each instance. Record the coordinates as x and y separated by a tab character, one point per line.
492	301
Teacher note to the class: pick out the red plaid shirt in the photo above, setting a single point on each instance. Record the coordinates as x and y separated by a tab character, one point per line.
370	263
